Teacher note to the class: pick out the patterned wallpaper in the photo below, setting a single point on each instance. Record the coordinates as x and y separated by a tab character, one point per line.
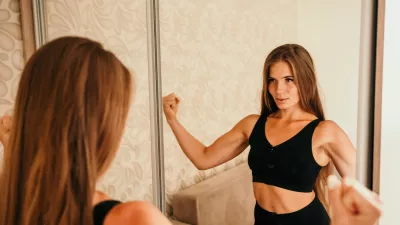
11	55
212	56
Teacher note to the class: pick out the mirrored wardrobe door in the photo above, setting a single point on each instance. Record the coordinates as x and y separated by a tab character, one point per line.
212	56
120	26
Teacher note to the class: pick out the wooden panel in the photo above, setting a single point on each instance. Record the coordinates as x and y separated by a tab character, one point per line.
378	95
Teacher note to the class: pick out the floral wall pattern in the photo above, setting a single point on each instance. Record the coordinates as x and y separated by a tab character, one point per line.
11	55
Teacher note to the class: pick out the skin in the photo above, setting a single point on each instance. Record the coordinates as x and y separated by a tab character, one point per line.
352	203
133	212
329	142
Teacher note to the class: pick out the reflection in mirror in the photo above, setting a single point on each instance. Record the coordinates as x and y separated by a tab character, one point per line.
121	27
214	62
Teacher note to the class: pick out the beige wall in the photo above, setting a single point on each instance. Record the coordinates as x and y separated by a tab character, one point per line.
390	121
330	30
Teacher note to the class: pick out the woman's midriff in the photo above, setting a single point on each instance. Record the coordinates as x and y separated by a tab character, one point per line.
279	200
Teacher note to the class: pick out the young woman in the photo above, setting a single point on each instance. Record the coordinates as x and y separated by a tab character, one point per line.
292	149
69	116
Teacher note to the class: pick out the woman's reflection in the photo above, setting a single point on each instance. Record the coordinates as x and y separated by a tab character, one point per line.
292	149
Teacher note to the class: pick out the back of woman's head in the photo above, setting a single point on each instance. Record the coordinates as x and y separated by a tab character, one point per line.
69	116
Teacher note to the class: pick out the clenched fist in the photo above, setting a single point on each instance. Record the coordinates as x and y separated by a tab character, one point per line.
170	106
352	203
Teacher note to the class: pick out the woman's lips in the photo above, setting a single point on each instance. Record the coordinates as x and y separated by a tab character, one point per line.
281	100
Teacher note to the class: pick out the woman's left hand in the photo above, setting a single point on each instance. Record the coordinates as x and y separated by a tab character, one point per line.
352	203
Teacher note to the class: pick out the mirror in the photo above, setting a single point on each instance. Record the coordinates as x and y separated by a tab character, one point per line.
212	57
121	27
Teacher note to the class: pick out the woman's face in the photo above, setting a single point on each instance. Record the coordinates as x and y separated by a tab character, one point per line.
281	85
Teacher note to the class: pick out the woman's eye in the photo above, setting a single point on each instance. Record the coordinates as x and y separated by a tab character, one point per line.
270	80
289	79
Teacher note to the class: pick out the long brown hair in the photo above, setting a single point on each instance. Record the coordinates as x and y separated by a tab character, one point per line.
69	116
304	74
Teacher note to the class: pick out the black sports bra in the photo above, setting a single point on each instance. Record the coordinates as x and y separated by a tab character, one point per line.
289	165
101	210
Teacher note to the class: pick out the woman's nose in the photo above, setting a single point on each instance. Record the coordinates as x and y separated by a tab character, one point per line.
280	88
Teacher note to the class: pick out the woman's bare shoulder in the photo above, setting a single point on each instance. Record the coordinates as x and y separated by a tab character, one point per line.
251	119
328	128
247	124
329	131
136	212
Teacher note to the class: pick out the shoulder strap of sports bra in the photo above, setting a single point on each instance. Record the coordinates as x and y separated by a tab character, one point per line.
312	126
101	210
315	123
258	129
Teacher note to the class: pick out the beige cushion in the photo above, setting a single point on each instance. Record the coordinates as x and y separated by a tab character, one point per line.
226	198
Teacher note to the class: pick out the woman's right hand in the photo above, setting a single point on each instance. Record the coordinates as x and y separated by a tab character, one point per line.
170	106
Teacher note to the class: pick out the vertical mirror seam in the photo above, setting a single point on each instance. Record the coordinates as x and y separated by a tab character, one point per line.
154	63
39	22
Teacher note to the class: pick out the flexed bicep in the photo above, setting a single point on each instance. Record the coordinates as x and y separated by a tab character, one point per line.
340	149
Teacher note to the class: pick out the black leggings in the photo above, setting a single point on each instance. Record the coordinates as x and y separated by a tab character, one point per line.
312	214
